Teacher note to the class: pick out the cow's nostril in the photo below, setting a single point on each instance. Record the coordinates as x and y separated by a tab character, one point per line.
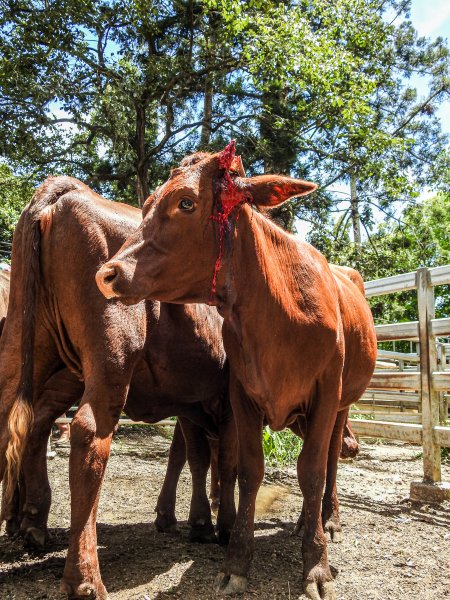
112	274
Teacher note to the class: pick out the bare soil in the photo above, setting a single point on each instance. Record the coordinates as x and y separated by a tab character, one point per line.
390	550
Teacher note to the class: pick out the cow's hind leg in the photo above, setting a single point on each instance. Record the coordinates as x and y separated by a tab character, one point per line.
227	465
61	391
166	521
214	487
198	456
330	504
12	509
91	433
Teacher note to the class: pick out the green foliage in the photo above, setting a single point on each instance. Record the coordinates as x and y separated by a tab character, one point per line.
15	192
419	238
116	92
281	447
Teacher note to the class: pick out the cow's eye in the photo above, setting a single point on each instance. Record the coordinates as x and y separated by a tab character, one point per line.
186	204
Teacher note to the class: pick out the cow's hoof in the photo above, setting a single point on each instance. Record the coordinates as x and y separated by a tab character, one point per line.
12	527
202	534
85	590
228	585
324	591
334	531
298	529
36	537
166	524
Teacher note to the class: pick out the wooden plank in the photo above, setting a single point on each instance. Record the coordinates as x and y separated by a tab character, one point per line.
388	285
392	417
442	436
440	326
398	380
387	396
404	356
440	275
441	381
398	331
406	432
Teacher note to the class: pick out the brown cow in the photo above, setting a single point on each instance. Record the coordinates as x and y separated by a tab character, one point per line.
58	321
299	336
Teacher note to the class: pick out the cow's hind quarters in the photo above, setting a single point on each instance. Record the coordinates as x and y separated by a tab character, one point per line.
320	591
85	591
202	533
228	585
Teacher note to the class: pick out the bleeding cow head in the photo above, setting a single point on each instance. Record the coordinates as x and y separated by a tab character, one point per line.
177	252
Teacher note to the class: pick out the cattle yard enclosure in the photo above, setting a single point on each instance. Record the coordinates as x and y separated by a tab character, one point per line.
418	382
407	398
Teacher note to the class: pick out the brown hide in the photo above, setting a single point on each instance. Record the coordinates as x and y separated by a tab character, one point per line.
299	335
162	360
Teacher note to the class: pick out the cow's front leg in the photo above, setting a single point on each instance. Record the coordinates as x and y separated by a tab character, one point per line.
91	433
311	469
166	521
249	423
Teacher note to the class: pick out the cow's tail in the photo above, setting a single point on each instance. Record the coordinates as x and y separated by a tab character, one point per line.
21	416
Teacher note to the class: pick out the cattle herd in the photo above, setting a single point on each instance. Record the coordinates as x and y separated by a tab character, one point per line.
200	308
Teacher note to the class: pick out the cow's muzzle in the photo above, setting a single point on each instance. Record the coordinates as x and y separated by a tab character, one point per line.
113	279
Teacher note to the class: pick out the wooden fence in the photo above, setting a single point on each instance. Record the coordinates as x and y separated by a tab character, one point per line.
428	382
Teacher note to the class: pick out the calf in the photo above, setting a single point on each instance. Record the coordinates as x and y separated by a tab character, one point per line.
299	335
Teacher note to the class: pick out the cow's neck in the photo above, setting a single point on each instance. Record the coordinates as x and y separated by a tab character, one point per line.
273	311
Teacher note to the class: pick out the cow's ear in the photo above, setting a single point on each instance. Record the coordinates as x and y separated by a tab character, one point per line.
273	190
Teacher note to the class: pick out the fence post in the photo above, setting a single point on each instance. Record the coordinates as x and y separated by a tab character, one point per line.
428	364
430	489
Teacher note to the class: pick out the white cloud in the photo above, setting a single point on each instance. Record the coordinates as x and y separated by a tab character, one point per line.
430	17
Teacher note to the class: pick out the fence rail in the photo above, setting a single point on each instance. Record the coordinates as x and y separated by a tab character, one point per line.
428	382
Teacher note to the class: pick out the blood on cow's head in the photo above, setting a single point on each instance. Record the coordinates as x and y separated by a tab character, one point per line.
180	249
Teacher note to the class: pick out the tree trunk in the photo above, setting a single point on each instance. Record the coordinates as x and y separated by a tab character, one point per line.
142	163
207	111
355	213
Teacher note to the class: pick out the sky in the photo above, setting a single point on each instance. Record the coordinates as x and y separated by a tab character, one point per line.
431	18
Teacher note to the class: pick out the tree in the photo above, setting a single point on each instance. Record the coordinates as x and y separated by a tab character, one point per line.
419	238
15	193
116	92
103	90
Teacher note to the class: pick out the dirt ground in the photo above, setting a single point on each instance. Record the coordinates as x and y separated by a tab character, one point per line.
390	549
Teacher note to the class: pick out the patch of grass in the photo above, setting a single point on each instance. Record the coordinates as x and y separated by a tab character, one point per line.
445	454
281	448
